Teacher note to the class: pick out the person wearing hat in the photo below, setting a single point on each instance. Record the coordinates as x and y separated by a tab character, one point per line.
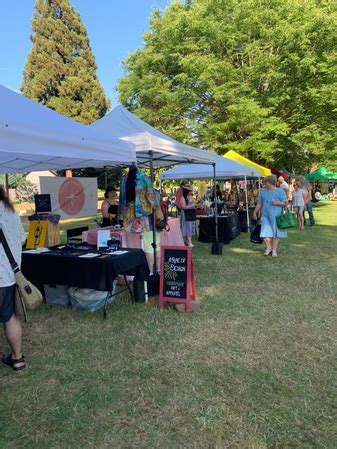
188	217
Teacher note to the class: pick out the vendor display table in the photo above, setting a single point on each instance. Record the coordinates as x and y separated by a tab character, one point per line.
64	267
243	218
228	228
173	237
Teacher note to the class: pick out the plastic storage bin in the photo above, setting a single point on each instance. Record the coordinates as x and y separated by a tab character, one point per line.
57	295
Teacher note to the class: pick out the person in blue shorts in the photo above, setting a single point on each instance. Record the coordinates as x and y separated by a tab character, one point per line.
15	236
272	200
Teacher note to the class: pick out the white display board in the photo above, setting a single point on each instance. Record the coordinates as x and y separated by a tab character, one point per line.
71	197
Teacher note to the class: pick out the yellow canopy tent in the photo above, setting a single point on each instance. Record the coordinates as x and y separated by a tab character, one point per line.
236	157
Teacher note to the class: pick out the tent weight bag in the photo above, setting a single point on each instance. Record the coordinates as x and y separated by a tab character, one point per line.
217	248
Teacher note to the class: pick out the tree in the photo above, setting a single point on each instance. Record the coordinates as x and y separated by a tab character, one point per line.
14	180
258	77
112	176
60	71
25	192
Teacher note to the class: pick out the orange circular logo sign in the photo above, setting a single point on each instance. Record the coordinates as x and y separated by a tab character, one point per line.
71	196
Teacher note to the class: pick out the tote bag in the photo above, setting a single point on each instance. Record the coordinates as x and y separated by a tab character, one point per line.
27	296
286	220
255	234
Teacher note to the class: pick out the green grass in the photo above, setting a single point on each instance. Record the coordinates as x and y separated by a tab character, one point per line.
255	367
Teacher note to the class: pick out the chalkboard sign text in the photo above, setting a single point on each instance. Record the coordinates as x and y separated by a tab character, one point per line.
176	276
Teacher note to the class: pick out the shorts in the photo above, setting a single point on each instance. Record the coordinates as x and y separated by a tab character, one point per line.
148	240
299	209
7	303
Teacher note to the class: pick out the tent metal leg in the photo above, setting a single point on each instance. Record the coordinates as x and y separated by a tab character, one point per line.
146	291
154	244
105	177
216	246
7	184
247	205
216	207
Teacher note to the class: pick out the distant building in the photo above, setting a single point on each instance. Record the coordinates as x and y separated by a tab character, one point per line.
34	177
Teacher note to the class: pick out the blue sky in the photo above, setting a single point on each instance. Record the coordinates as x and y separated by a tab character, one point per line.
115	28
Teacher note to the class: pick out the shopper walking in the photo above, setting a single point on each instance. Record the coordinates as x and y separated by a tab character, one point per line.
308	203
12	228
290	193
282	184
298	202
272	200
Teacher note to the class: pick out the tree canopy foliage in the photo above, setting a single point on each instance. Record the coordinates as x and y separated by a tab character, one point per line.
256	76
60	71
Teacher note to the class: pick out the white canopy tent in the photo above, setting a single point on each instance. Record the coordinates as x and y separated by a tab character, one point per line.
149	142
225	168
154	149
34	138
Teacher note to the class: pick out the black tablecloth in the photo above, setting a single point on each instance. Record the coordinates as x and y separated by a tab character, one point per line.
60	267
243	218
228	228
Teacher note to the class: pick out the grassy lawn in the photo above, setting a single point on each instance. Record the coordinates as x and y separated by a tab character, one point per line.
255	367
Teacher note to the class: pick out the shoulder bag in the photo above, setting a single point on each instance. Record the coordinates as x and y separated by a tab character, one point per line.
27	296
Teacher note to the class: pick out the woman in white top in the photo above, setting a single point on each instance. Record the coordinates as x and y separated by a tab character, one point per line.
298	202
14	233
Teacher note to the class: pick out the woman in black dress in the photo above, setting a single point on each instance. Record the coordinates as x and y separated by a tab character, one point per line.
109	207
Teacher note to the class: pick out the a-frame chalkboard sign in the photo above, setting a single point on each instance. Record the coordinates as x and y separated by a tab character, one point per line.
176	276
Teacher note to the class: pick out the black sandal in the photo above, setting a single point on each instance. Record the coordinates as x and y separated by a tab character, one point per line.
8	360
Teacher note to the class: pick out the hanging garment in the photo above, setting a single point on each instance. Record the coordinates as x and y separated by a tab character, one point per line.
135	214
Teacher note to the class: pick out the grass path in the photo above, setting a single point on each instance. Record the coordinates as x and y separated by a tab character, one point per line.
254	368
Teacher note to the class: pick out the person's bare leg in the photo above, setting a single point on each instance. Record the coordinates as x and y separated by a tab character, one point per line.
150	261
13	333
301	221
189	240
158	260
275	245
268	246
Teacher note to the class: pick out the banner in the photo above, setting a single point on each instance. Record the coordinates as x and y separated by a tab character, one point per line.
37	234
201	188
71	197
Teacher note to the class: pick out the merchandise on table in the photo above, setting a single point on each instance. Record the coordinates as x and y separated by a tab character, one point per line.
172	237
63	265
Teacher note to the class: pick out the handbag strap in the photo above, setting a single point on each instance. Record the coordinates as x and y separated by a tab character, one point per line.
8	252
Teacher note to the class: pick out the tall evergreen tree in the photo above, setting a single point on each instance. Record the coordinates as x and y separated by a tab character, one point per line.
60	71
